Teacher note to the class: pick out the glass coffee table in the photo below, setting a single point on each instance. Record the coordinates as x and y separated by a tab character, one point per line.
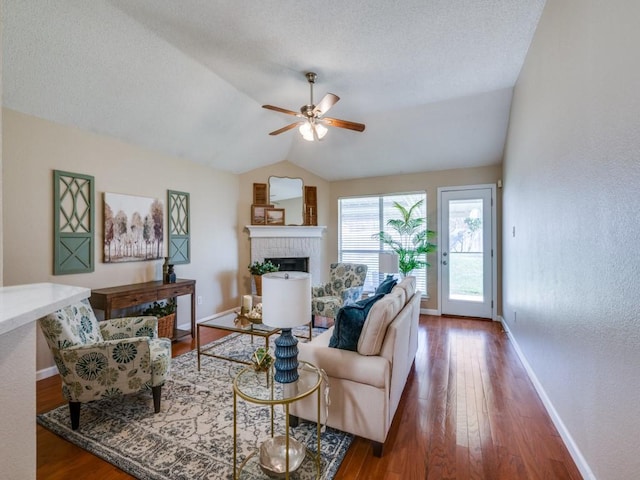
230	322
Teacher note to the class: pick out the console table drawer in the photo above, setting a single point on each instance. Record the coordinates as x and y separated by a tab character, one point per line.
124	301
177	290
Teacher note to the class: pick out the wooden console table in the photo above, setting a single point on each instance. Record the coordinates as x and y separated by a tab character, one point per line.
123	296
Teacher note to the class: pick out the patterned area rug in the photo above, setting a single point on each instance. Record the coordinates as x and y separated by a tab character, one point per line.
192	436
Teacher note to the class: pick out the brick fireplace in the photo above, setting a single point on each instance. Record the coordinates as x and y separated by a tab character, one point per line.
289	242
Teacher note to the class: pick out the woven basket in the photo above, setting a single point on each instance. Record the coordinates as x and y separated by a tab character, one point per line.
165	326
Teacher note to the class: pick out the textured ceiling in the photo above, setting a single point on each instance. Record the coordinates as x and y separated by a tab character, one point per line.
431	79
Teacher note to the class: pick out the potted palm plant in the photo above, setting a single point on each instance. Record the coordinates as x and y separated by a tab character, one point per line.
257	269
411	241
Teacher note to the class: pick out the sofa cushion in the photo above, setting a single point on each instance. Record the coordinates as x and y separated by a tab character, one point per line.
375	326
408	284
349	321
400	291
386	285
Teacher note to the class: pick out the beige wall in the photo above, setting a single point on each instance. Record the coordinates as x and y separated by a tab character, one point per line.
571	189
261	175
429	182
33	148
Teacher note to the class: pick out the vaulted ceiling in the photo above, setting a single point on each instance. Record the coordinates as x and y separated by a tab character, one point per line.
431	79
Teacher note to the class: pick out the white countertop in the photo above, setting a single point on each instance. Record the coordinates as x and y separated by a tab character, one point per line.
21	304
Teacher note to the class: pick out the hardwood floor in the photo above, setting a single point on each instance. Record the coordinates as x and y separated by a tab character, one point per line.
469	411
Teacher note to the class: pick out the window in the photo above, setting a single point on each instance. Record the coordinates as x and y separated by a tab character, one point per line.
360	219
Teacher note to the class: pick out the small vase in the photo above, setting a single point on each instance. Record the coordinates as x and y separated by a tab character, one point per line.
170	276
258	280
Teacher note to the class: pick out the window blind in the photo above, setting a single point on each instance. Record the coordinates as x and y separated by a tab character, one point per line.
360	219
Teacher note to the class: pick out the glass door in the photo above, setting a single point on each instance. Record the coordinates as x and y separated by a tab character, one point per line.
466	252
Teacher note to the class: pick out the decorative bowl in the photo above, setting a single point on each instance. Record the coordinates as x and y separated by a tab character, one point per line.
273	460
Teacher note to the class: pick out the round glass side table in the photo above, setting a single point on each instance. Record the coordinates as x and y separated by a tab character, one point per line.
261	389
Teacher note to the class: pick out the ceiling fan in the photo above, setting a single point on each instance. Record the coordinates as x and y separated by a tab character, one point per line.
312	126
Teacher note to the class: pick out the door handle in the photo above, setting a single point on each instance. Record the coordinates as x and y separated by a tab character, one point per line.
444	262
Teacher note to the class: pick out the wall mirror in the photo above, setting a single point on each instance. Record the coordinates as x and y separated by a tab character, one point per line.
287	193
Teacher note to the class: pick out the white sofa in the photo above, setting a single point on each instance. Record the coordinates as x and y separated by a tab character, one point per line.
366	386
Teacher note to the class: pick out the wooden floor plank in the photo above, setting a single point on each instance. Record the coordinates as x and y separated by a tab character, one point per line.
468	410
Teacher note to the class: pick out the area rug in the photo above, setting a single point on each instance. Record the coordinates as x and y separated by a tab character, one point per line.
192	436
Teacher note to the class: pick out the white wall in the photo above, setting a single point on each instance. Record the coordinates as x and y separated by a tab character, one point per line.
16	348
572	192
33	148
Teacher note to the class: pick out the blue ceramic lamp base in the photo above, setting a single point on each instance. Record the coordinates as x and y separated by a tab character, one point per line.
286	363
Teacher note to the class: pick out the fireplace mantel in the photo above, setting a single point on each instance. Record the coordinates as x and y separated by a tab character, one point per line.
289	231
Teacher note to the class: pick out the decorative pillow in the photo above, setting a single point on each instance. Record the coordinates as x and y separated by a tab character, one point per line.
376	323
408	284
398	290
349	322
386	285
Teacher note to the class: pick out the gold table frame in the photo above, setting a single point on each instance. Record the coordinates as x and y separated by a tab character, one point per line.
225	321
260	388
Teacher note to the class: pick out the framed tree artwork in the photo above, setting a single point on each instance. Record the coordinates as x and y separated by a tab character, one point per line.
133	228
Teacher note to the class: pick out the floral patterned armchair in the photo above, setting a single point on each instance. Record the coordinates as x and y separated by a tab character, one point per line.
105	359
345	286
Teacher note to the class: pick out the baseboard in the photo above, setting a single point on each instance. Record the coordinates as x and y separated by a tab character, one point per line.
46	372
574	451
429	311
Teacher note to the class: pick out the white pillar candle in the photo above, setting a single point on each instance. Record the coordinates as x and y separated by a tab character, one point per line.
247	301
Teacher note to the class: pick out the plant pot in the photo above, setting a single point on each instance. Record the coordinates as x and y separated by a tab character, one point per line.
258	281
166	325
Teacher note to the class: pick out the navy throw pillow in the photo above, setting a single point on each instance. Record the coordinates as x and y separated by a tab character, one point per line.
349	322
387	285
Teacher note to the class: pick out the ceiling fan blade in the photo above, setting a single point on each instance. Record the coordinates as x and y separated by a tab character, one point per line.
336	122
328	101
285	129
282	110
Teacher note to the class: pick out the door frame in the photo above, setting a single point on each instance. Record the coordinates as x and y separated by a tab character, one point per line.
494	237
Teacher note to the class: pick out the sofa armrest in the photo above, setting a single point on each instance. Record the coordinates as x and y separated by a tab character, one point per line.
129	327
348	365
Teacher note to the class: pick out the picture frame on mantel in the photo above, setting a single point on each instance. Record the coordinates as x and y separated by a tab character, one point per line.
260	194
258	216
274	216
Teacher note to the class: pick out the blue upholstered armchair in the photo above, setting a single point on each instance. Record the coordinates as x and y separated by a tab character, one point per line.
105	359
345	286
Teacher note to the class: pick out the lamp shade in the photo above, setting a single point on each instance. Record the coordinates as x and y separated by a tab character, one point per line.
286	299
388	263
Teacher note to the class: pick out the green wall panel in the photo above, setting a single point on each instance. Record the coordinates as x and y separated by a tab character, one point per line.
74	223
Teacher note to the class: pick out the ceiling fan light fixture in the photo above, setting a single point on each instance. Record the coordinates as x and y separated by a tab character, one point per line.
321	130
306	130
312	126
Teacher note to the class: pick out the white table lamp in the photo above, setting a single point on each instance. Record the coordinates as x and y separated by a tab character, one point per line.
286	303
388	263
